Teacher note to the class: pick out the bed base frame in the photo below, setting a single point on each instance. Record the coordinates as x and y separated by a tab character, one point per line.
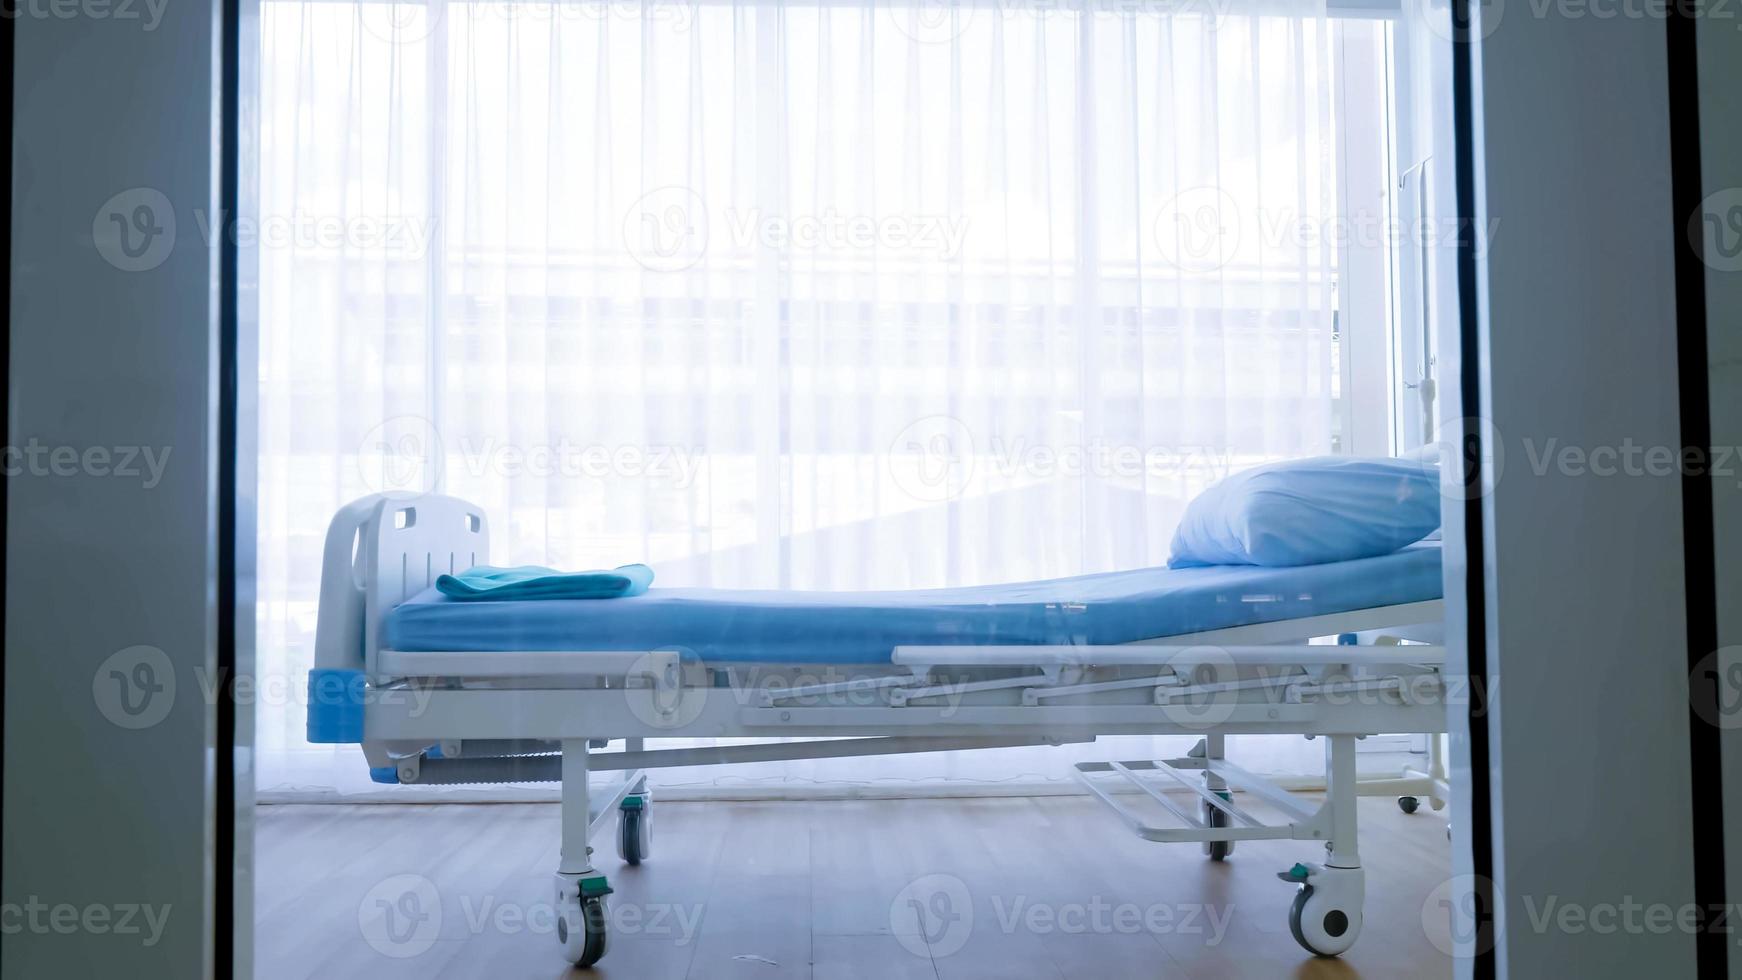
538	716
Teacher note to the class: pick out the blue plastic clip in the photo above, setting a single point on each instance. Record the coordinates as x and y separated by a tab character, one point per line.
335	706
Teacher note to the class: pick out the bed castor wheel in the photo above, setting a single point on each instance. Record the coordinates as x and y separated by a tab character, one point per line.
581	929
1408	804
1218	850
635	829
582	920
1325	917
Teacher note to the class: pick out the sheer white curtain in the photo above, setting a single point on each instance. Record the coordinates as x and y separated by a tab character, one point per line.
786	294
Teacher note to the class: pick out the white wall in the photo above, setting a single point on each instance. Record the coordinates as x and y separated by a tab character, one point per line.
109	802
1720	64
1586	609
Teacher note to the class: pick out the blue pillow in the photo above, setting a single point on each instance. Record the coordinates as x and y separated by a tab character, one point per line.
1309	511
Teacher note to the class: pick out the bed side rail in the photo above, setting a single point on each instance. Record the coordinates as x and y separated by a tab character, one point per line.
1132	654
540	761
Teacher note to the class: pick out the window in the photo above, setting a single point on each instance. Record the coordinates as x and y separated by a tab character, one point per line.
798	295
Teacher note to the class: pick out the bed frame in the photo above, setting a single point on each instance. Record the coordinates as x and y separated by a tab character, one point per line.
431	717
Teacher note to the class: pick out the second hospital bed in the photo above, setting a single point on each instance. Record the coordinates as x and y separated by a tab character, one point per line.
442	691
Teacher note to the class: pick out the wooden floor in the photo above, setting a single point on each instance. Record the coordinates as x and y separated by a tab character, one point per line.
1016	888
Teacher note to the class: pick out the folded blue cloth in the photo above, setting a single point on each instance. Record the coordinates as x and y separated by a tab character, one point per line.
485	583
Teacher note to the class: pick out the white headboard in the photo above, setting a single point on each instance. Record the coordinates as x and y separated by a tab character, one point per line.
380	551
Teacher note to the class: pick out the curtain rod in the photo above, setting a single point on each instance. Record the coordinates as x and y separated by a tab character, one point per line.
1334	9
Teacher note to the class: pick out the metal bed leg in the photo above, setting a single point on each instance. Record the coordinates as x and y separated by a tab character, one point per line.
635	813
1216	750
580	890
1340	768
1436	768
1415	783
577	821
1215	747
636	745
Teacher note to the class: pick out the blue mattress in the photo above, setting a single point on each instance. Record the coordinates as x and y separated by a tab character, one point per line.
864	627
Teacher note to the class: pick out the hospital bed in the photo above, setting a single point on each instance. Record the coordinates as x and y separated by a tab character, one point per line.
441	692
